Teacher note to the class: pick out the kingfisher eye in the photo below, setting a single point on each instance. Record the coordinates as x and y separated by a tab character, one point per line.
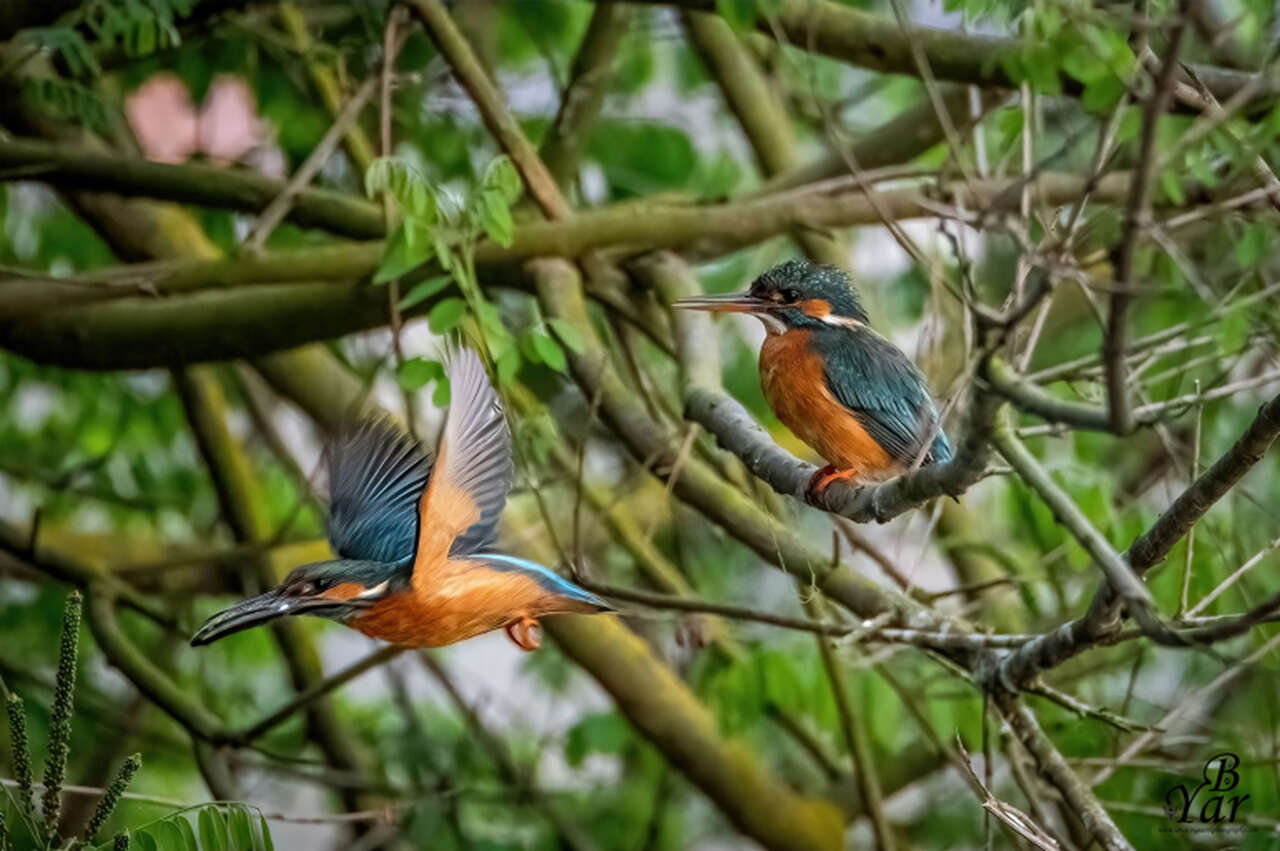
790	295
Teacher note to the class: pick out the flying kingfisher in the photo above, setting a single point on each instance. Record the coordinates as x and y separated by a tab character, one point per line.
414	537
844	390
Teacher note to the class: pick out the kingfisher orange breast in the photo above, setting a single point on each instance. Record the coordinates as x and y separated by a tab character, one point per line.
795	385
463	600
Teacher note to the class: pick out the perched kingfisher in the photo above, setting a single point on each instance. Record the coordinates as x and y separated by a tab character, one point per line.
416	565
844	390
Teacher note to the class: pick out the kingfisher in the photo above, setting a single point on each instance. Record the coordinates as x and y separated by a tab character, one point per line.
848	393
414	535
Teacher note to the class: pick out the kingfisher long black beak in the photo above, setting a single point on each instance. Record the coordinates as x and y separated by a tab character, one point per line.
255	611
734	303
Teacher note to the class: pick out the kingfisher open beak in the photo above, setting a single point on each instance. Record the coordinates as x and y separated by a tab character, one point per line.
256	611
732	303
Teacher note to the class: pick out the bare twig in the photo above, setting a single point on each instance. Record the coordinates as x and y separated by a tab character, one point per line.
1137	216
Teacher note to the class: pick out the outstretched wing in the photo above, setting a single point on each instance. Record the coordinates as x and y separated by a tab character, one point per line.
885	392
459	511
377	473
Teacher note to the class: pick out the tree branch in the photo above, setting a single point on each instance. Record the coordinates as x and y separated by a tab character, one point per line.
1136	220
250	311
79	168
1055	769
878	43
1102	618
488	100
589	76
1120	577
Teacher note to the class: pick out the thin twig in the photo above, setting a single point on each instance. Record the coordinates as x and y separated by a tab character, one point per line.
279	207
1137	216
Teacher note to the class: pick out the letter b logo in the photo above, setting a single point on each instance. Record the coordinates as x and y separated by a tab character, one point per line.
1227	777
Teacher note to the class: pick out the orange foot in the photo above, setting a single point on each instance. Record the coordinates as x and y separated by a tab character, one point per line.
525	633
823	478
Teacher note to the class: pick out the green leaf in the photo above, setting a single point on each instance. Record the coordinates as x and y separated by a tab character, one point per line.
144	841
415	373
500	177
495	218
782	682
241	833
445	314
188	835
1101	95
144	38
425	290
1130	125
527	349
442	253
1040	63
603	733
548	351
739	14
213	829
568	335
508	365
1233	330
490	319
397	258
440	398
1172	188
167	836
641	157
420	236
1081	62
1253	244
405	184
264	833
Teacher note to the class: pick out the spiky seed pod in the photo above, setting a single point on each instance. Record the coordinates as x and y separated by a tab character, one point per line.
55	768
21	750
112	795
4	831
121	842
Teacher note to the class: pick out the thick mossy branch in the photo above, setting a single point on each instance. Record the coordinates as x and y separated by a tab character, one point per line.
878	42
60	716
589	76
79	168
244	308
